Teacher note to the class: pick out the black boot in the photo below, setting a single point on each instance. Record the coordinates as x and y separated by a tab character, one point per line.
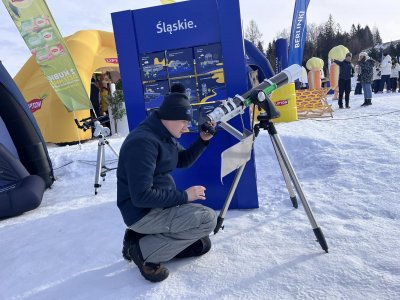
151	271
130	238
365	102
369	102
200	247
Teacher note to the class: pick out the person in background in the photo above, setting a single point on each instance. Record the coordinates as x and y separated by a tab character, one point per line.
386	67
94	98
394	76
399	77
366	65
358	89
345	74
376	77
162	221
103	100
105	92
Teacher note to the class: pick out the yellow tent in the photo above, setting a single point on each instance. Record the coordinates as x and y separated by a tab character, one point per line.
91	50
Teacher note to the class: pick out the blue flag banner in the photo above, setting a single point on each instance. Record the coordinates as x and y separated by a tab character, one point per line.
298	32
281	55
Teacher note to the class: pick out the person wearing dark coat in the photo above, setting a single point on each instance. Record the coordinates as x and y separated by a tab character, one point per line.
162	221
95	98
366	65
346	71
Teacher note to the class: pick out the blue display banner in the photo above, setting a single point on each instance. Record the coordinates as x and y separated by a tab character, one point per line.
281	55
298	32
184	25
195	24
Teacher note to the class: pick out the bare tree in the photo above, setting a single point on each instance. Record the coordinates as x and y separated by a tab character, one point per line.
254	35
284	34
312	32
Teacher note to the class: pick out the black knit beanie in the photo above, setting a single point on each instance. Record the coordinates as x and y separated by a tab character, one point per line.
176	105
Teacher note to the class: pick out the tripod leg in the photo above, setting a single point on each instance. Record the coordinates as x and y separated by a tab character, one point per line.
285	176
111	147
103	163
228	200
317	230
99	167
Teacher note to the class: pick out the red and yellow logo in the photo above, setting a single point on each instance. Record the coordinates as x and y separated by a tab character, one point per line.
111	60
36	104
281	102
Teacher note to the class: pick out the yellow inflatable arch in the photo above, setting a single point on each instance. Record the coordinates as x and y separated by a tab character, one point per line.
91	50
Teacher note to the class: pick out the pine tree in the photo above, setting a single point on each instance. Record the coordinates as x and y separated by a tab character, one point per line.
398	50
353	30
391	50
271	54
260	46
374	53
368	37
376	36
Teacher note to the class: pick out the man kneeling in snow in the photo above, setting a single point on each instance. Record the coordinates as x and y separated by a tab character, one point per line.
162	222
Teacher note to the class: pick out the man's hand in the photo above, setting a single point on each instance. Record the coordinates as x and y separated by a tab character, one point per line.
207	136
196	192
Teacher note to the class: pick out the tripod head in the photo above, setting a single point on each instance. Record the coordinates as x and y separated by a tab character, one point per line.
268	112
100	130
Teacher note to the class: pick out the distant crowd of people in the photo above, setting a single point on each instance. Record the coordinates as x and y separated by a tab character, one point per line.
372	76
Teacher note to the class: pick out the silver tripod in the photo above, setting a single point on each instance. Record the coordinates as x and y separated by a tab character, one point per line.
290	176
287	171
101	132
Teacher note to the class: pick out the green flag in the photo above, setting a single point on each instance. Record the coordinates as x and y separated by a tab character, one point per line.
39	31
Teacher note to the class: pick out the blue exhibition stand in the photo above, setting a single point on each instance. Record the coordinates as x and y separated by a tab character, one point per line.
179	29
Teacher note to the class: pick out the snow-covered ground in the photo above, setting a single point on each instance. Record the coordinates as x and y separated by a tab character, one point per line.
349	167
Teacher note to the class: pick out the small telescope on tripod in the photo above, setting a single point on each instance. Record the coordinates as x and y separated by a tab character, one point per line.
90	123
101	133
259	96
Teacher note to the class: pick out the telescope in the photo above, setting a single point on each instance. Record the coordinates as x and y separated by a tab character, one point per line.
90	122
257	95
101	133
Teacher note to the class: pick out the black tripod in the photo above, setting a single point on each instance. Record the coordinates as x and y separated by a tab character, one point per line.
101	132
288	172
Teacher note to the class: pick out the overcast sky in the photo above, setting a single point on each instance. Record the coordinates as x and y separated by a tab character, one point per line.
272	16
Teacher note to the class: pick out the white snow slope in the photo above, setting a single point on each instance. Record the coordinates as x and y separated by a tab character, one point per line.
349	168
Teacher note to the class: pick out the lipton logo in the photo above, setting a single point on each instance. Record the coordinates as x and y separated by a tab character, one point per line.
281	102
36	104
111	60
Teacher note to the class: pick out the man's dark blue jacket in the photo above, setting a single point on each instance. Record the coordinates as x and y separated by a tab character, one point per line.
346	69
147	157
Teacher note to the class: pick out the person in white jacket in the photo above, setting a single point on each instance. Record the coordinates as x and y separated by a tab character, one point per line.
376	78
386	67
394	76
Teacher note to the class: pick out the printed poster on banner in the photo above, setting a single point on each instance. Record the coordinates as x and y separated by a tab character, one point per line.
40	33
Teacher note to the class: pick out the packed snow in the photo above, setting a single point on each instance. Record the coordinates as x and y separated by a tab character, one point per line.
349	168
